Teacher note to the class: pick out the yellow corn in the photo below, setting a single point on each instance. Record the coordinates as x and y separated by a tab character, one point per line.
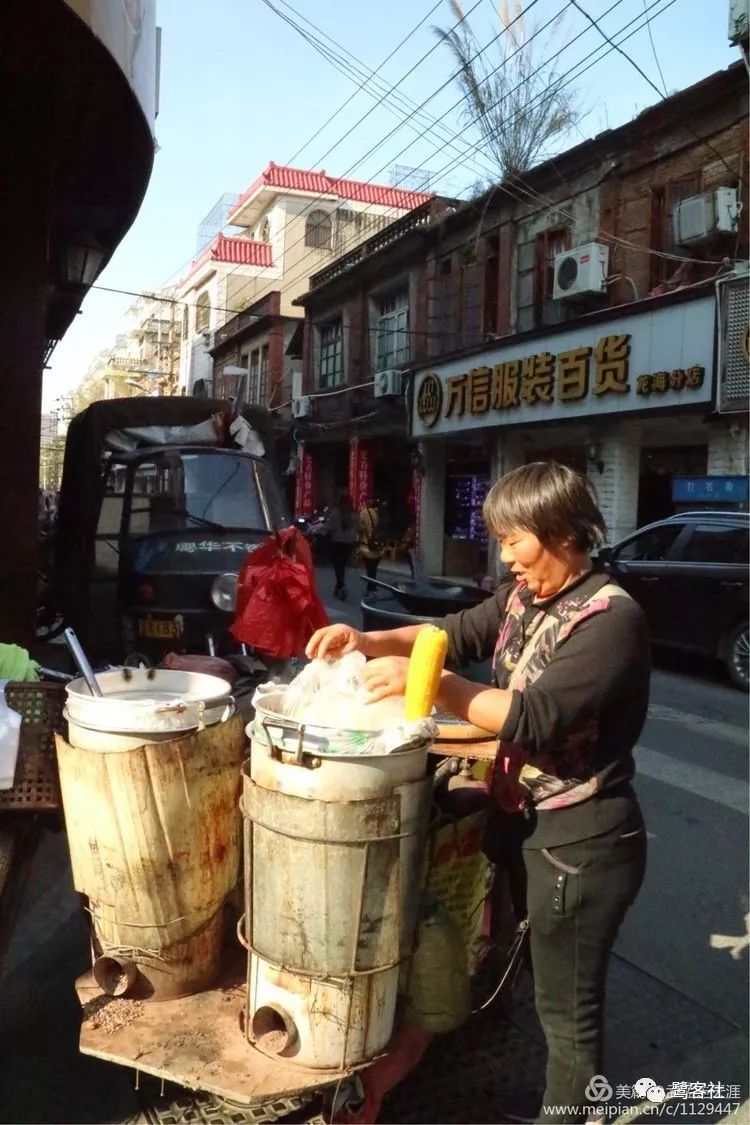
425	666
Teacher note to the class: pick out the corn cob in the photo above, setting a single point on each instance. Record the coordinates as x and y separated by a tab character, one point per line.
425	666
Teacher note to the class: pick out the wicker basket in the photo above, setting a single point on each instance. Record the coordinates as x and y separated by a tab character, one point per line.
37	784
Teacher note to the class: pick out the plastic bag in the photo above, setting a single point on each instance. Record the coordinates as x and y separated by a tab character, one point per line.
278	607
330	695
10	734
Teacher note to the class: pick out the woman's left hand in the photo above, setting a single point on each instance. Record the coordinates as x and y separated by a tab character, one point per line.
385	676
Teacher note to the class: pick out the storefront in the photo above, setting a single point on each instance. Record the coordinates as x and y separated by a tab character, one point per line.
626	398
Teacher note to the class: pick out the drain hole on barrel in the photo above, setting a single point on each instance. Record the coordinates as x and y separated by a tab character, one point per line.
274	1030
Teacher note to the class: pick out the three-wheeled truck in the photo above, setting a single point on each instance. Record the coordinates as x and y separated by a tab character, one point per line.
161	501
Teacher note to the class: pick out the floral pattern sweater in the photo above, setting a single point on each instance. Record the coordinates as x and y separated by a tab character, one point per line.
578	710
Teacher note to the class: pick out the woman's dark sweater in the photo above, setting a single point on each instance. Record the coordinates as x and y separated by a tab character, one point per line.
596	681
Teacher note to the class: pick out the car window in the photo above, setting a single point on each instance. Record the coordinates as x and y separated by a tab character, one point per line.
711	543
650	546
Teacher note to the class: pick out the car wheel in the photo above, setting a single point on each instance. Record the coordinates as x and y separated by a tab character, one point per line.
737	658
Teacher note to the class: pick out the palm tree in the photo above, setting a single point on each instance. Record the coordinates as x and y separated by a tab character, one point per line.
518	105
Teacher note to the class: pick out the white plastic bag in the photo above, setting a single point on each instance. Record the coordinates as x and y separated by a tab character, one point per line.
10	733
330	694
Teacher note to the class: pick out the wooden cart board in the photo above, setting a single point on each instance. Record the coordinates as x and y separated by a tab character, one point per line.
197	1042
460	739
477	751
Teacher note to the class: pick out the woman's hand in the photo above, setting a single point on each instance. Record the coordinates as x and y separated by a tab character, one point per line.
385	676
334	641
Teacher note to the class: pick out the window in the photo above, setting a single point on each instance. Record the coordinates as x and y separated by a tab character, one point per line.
393	331
491	285
202	313
178	492
263	378
664	201
713	544
331	368
185	321
318	230
253	381
536	279
651	546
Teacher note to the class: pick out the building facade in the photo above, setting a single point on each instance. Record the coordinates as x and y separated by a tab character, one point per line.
365	325
579	323
294	222
569	314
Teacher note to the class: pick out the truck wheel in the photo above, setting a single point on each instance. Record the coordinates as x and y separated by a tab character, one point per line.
737	656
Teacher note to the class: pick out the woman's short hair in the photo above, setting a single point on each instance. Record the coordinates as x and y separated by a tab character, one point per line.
551	501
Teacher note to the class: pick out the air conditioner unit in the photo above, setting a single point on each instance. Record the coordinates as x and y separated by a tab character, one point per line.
302	407
700	217
581	270
387	383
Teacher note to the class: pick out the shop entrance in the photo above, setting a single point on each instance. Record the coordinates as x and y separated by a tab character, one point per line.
466	486
658	469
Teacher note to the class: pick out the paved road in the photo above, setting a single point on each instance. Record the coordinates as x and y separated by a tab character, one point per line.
677	1006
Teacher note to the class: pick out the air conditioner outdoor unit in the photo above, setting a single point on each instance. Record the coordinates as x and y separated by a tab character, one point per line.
581	270
387	383
700	217
302	407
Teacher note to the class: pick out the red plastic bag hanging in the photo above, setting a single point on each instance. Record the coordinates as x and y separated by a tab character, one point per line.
278	607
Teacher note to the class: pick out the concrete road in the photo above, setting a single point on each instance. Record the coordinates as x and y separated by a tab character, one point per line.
677	1001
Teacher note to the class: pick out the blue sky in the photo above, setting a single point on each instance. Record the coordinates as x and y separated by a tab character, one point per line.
239	87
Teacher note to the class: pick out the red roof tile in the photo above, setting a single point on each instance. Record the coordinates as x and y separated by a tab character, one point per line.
238	251
297	179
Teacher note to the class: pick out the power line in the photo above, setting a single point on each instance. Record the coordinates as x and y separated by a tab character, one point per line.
569	75
653	85
656	57
528	193
365	81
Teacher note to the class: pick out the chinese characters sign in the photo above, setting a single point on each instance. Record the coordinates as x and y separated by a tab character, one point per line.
361	486
304	495
651	359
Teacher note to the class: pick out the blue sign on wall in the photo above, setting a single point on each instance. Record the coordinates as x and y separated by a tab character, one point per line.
719	490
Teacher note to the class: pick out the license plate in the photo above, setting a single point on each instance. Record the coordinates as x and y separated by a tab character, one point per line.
160	628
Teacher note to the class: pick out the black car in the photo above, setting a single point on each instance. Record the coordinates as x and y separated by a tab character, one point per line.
690	574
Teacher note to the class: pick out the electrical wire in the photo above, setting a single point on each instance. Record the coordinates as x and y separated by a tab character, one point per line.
569	75
528	193
656	57
347	101
321	196
653	85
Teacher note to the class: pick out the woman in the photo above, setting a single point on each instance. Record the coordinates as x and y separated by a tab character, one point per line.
370	548
343	528
571	667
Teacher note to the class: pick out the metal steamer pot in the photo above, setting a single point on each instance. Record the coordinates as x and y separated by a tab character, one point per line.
149	701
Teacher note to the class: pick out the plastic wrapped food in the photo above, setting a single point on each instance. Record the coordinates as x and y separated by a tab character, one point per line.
330	695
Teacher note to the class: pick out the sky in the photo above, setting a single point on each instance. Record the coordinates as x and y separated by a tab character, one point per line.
240	87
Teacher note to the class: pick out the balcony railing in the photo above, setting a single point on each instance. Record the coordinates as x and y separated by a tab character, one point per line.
419	217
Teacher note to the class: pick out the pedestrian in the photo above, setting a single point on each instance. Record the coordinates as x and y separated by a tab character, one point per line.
370	547
343	530
570	658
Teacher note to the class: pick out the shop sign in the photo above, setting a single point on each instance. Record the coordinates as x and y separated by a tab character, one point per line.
360	473
710	490
304	494
733	389
660	358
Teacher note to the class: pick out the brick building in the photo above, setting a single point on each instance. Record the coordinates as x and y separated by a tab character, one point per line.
570	314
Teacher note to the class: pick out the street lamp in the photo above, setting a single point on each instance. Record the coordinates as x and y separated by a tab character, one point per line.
81	261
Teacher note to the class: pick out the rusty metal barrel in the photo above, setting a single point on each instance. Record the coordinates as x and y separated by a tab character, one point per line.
154	836
334	861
